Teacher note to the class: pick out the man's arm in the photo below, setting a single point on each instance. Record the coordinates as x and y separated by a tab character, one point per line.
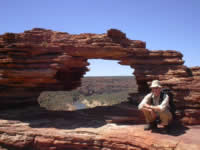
145	101
162	106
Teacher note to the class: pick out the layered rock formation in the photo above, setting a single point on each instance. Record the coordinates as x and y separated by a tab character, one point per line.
87	130
39	60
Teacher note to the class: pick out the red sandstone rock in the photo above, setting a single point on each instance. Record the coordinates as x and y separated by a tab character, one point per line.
86	129
40	60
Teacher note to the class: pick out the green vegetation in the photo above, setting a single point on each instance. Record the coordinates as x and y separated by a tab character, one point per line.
104	90
109	98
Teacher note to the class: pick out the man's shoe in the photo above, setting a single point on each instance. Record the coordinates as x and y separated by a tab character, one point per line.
151	126
167	128
147	127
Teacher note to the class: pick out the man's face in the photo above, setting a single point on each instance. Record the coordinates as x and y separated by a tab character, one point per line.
156	91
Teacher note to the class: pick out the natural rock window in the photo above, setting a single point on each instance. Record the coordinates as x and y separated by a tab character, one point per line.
40	60
106	83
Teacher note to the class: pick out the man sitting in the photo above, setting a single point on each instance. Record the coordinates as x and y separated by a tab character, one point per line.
156	106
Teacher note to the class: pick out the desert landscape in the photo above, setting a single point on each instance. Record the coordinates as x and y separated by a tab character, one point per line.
94	91
39	60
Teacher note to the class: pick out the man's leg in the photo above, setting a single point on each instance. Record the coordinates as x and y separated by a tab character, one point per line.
165	117
150	117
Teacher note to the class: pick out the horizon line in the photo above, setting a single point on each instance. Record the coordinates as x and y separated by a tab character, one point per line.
112	76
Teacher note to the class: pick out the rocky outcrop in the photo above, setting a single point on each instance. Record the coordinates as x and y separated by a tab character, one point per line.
87	130
40	60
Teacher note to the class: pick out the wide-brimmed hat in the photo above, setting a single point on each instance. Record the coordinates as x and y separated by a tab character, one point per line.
155	84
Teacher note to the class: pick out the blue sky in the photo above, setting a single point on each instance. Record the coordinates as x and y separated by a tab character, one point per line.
164	25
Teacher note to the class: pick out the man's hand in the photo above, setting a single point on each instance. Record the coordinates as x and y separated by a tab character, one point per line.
147	106
151	107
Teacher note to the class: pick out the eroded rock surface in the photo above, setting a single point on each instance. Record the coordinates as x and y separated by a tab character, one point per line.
87	130
44	60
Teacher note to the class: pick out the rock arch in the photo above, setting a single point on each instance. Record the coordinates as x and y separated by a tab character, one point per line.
40	59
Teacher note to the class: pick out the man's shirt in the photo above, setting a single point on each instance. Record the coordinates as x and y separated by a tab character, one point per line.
147	100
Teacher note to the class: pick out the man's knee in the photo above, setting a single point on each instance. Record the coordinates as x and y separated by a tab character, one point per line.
149	114
165	117
144	110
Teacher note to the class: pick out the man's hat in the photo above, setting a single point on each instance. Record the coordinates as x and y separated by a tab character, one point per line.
155	84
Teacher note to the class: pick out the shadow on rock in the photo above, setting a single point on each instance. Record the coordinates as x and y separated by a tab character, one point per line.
38	117
176	129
